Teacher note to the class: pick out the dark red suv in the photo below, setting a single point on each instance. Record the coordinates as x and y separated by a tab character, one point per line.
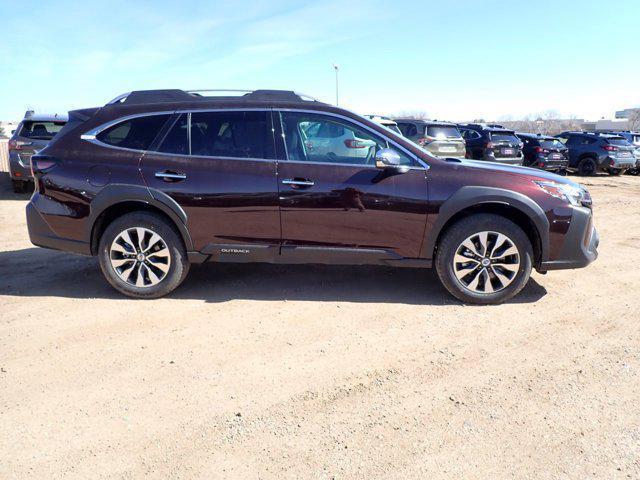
156	180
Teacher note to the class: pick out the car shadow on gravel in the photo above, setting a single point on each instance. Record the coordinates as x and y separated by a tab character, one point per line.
35	272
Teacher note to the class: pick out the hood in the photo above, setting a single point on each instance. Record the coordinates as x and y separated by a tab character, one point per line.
528	172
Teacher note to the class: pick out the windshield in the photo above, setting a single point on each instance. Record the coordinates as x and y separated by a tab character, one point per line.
393	127
438	132
504	137
40	130
551	143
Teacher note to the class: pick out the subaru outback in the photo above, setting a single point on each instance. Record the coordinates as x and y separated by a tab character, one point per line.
156	180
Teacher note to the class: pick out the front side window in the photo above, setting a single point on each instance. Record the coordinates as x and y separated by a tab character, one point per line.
232	134
136	133
319	138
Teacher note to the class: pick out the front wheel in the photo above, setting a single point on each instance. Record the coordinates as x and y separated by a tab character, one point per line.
587	167
142	256
484	259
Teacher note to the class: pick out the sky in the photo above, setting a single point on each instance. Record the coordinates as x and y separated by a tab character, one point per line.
455	60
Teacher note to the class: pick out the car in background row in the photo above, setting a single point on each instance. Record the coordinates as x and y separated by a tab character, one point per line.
491	143
33	133
545	152
591	152
441	139
634	139
386	122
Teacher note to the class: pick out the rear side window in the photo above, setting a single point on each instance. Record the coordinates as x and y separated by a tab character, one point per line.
408	129
40	130
136	133
232	134
177	139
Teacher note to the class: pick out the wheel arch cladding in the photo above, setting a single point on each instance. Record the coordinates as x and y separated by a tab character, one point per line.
514	206
116	200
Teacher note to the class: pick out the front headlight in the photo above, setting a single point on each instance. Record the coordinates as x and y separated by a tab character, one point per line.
577	196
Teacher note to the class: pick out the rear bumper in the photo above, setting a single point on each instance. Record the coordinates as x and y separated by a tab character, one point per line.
18	169
41	234
622	163
580	246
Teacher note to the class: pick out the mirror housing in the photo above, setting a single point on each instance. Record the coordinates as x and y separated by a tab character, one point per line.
388	158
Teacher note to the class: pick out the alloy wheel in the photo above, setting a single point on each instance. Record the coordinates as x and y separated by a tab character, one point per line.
486	262
140	257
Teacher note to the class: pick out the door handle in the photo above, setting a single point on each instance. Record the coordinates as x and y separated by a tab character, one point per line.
171	176
295	182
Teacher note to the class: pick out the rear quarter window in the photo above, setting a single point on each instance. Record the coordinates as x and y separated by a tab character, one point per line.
137	133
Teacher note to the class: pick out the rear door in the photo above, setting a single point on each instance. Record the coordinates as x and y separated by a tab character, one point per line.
220	167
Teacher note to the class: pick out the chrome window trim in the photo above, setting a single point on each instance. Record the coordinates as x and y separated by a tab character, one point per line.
423	165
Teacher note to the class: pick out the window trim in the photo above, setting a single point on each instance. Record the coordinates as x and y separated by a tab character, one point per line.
421	165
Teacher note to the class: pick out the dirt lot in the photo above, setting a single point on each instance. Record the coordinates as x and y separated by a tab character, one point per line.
320	372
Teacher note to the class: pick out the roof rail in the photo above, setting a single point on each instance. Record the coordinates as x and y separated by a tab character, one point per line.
177	95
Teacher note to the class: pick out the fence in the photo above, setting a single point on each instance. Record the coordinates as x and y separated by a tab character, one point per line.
4	155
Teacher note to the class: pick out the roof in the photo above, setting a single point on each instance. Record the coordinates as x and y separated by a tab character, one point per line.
538	136
425	122
146	97
30	115
484	126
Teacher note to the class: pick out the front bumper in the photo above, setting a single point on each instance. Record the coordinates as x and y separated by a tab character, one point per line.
580	246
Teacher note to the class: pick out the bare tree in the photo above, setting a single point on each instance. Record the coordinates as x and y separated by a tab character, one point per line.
634	120
2	134
415	114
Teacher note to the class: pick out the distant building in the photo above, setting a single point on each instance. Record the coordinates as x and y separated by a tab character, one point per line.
602	125
626	113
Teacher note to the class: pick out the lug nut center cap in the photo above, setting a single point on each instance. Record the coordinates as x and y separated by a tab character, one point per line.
485	262
141	257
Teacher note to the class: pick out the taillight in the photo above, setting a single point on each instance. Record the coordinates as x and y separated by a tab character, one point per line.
489	145
609	148
351	143
17	144
42	163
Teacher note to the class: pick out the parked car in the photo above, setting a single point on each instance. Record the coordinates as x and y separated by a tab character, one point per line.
545	152
385	121
491	143
32	135
591	152
438	138
156	180
634	139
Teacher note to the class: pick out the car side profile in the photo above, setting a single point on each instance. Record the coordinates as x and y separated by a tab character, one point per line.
492	143
31	135
545	152
591	152
156	180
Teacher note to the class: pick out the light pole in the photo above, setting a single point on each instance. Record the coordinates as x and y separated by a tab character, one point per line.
336	67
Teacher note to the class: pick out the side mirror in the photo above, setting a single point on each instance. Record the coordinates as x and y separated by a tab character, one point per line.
389	160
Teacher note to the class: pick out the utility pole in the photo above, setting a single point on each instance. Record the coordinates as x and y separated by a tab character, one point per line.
336	67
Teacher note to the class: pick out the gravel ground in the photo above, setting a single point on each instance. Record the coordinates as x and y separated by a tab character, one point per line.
258	371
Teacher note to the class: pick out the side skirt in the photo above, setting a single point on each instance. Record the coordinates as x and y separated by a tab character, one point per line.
300	255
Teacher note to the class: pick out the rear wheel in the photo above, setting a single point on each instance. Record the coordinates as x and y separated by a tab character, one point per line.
484	259
142	256
587	167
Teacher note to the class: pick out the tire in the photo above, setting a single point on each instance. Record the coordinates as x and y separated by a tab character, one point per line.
142	275
587	167
19	186
507	273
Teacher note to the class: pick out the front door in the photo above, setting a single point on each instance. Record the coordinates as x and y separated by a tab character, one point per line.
333	199
220	167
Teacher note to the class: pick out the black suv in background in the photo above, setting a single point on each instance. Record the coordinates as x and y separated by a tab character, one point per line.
545	152
156	180
32	134
442	139
591	152
493	144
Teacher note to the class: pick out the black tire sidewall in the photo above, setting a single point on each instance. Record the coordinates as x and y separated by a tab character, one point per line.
179	264
466	227
583	163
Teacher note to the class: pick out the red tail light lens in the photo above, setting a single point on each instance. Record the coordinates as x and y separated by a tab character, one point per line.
609	148
489	145
541	150
17	144
351	143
